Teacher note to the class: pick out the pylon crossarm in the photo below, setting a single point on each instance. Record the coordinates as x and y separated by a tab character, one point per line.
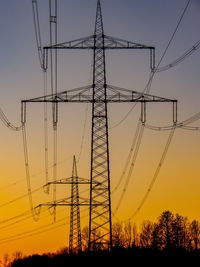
64	96
50	205
89	43
109	43
69	181
114	95
67	202
117	43
126	95
81	43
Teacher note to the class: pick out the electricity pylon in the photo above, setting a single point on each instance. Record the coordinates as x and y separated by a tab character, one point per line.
99	94
75	225
74	201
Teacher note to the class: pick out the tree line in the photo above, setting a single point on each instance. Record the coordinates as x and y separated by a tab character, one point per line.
170	231
171	236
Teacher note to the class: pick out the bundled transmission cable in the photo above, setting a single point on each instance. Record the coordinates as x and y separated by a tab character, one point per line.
7	123
181	125
139	134
37	231
153	72
53	70
169	140
35	213
135	138
37	33
147	90
177	61
46	148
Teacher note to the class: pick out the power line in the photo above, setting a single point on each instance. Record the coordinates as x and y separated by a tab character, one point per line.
33	175
26	159
46	147
19	198
175	31
37	231
138	143
15	217
129	156
17	236
177	61
152	74
169	140
180	125
24	218
7	123
33	234
147	89
37	31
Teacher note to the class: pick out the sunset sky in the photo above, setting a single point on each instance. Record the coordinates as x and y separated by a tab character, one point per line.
149	22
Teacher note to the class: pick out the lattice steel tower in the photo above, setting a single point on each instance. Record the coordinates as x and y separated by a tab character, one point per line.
99	94
100	214
75	225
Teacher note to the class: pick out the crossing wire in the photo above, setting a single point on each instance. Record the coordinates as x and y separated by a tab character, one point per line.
43	67
53	75
24	218
37	33
37	231
15	217
135	138
137	146
7	123
149	83
20	197
26	159
164	154
181	125
46	147
17	236
177	61
33	234
152	73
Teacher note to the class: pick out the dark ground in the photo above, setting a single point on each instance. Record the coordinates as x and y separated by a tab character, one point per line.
127	257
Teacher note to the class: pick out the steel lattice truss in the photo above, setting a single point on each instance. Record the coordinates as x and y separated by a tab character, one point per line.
99	94
114	94
75	225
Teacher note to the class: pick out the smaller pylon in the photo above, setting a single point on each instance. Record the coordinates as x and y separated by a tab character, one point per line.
75	226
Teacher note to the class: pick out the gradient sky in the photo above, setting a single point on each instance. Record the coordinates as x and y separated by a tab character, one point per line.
150	22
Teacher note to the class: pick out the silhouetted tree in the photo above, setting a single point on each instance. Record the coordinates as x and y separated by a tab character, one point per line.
195	232
165	233
6	260
85	237
172	235
128	235
179	229
135	236
155	236
146	234
117	234
64	250
17	255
